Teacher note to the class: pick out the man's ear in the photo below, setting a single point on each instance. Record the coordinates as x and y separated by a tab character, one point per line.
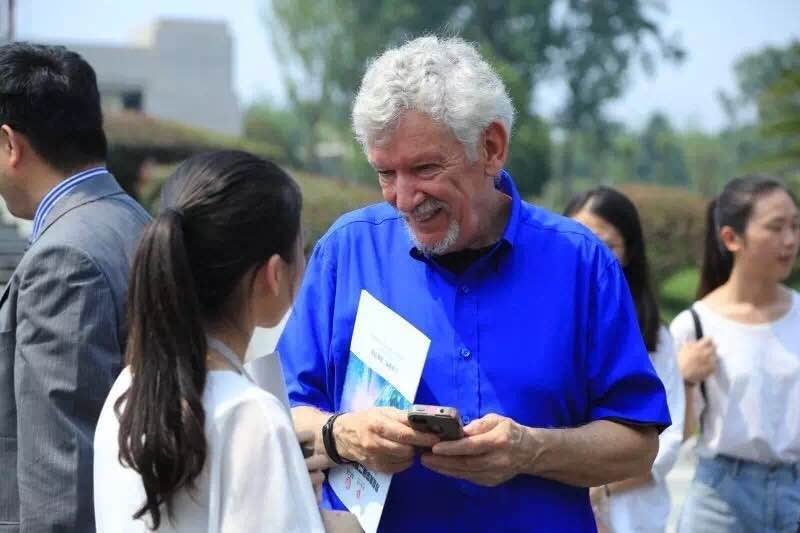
12	145
495	148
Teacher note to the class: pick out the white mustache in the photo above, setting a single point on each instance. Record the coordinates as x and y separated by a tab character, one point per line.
424	209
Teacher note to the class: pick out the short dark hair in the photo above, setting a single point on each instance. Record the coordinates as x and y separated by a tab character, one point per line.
617	209
50	95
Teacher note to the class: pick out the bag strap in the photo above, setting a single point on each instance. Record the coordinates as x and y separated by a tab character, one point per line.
698	326
698	334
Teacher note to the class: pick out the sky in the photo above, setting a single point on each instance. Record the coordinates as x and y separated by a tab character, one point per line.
715	33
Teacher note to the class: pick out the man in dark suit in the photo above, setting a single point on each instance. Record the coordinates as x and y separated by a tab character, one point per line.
62	314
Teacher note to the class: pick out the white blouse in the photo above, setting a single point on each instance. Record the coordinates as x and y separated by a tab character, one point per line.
646	508
753	398
254	479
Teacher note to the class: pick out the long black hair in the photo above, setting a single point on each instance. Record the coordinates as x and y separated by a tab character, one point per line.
732	208
229	213
616	209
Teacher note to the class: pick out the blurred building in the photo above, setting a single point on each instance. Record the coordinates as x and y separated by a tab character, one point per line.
6	21
180	70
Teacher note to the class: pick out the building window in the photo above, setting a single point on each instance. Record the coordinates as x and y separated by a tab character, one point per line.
132	100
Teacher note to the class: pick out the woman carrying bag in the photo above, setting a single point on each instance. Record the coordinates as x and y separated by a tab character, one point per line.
740	359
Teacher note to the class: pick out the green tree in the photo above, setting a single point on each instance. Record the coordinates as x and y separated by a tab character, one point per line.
279	127
605	38
661	158
757	71
768	84
779	109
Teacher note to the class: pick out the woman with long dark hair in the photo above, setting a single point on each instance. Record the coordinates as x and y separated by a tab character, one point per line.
186	441
740	359
641	503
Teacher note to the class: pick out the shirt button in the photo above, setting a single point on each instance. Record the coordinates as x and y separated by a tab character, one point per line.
465	353
464	289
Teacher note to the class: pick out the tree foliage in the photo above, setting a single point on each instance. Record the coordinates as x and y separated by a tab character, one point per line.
779	109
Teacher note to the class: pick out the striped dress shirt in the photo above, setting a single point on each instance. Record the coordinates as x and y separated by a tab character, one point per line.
57	193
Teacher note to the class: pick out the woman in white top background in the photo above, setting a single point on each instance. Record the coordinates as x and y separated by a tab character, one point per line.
640	504
743	374
186	442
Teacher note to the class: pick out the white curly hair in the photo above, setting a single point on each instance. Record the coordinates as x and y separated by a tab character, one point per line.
444	78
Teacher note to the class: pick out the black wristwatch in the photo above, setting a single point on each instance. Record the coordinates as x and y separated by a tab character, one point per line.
330	443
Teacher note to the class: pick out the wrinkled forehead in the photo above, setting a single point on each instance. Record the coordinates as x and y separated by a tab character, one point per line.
413	136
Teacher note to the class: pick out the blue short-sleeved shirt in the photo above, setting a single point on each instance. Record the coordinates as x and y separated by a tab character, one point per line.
542	330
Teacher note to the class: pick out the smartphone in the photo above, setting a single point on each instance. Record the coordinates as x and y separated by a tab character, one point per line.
443	421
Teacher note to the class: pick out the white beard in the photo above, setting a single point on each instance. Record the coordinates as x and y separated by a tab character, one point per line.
421	211
437	248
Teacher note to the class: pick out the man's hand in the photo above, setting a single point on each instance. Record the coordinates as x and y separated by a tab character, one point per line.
379	438
697	360
493	450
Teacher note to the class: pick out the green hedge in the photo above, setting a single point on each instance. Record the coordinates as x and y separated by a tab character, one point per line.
673	221
326	199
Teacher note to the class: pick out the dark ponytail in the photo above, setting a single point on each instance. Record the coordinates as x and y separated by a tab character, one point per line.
732	208
229	212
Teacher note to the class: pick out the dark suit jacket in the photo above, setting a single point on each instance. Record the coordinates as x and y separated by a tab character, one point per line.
62	336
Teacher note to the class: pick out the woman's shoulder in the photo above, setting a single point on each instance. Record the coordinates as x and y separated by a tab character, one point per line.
795	297
232	395
120	386
682	324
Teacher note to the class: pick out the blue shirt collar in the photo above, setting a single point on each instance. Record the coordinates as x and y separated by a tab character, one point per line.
505	183
57	193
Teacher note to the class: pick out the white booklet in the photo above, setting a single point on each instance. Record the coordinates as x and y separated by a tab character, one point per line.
387	355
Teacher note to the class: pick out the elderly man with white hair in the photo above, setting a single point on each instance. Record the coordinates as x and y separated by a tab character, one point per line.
534	337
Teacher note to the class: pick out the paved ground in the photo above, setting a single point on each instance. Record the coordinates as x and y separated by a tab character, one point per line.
678	481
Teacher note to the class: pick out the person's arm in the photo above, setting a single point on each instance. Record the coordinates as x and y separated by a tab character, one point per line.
497	449
697	360
669	442
67	355
694	407
596	454
626	404
380	438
